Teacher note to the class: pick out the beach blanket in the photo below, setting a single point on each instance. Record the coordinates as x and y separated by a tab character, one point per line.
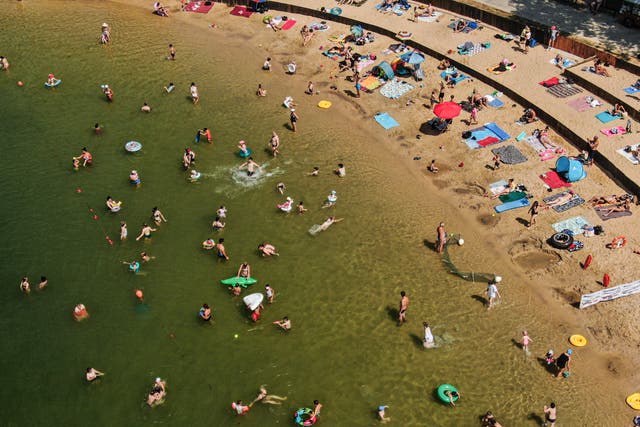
512	196
395	89
576	200
497	131
493	101
241	11
495	69
198	7
363	63
509	155
553	180
337	37
317	26
543	152
614	131
458	79
550	82
602	210
574	224
370	83
628	155
583	103
563	90
565	63
489	134
474	49
606	117
512	205
471	25
432	18
385	120
288	24
631	90
498	187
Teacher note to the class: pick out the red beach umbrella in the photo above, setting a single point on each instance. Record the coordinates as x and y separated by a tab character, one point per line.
447	110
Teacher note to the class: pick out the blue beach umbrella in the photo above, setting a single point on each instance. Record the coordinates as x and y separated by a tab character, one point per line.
413	58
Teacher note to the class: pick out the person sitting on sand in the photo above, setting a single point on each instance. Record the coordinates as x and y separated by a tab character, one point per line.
267	398
271	23
432	167
621	207
157	393
511	186
444	64
618	110
478	100
529	116
267	249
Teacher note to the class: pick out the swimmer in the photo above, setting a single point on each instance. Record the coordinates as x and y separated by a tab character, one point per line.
268	290
194	93
267	249
222	212
4	63
452	395
93	374
134	266
134	178
169	88
205	312
332	198
315	171
112	205
145	108
97	129
301	208
317	407
51	79
86	157
261	91
157	393
244	270
195	175
285	323
274	143
243	148
145	232
240	408
76	164
329	222
381	414
281	187
236	290
158	217
123	230
217	224
222	252
340	171
24	285
270	399
250	165
108	92
428	341
43	282
146	257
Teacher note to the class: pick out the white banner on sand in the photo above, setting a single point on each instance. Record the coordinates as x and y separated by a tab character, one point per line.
609	294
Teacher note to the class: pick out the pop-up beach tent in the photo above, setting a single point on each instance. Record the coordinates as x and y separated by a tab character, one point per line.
385	70
571	170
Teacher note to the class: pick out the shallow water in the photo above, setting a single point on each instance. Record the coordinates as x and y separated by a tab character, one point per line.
340	287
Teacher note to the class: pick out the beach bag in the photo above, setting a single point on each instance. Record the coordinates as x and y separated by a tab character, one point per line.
533	43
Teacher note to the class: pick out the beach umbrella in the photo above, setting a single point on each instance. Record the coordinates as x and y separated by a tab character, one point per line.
412	58
447	110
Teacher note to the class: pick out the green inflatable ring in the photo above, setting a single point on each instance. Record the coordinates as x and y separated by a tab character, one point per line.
266	19
447	387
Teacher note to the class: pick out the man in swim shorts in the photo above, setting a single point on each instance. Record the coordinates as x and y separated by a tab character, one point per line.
172	52
270	293
222	252
250	165
194	93
442	238
550	414
404	304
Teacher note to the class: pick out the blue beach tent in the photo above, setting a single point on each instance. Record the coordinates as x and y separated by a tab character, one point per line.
570	170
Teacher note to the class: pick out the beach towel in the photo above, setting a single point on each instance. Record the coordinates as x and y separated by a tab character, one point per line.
606	117
472	50
241	11
550	82
493	101
522	135
509	155
198	6
497	131
628	155
512	196
631	90
602	210
337	37
583	103
565	63
288	24
432	18
541	150
317	26
489	140
363	63
495	69
471	25
458	79
574	224
385	120
395	89
563	90
512	205
576	200
370	83
553	180
486	135
614	131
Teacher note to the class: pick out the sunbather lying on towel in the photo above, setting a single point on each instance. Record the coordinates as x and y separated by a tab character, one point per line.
560	200
618	110
620	207
545	140
529	116
505	65
609	200
511	186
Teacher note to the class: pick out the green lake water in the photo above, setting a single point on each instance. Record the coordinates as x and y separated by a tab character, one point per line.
340	288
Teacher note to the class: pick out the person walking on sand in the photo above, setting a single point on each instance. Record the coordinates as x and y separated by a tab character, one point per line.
492	293
293	118
473	119
533	211
526	339
550	414
553	36
404	304
442	238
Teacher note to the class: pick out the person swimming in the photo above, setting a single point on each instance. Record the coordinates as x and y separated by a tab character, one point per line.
134	178
267	398
158	392
205	312
217	224
170	88
267	249
329	222
145	232
112	205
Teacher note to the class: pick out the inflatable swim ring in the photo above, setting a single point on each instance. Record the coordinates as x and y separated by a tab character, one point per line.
135	267
578	340
195	176
80	312
335	11
287	102
404	35
561	240
115	209
286	206
244	154
324	104
447	387
303	417
633	400
56	83
132	146
208	244
618	242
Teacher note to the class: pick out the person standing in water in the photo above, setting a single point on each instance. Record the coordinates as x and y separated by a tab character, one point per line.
43	282
250	165
268	290
381	414
301	208
404	304
285	323
123	230
145	232
442	238
244	270
158	217
317	407
93	374
172	53
25	287
194	93
222	252
274	143
293	118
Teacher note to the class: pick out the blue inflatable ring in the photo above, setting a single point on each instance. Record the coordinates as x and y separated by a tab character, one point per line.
304	417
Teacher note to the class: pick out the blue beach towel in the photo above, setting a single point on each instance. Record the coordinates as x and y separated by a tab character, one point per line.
606	117
574	224
496	103
498	131
458	79
512	205
385	120
631	90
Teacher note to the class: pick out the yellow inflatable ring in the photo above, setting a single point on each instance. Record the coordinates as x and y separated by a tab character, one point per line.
578	340
266	19
633	400
324	104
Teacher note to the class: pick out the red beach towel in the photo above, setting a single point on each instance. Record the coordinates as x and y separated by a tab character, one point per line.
488	141
551	82
198	6
290	23
241	11
553	180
